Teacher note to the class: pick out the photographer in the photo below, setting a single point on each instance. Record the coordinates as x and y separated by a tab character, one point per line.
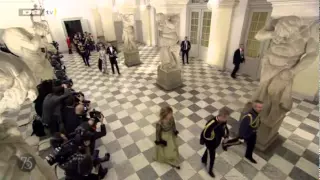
69	116
44	89
51	110
77	155
74	157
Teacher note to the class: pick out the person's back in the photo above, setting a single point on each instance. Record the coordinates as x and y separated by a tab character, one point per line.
69	117
51	113
47	109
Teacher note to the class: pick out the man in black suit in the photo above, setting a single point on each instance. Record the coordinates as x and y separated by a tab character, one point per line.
112	52
185	47
238	58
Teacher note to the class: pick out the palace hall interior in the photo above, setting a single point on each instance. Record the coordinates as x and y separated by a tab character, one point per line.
159	90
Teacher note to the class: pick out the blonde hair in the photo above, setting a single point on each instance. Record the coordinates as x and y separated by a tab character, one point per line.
164	111
224	112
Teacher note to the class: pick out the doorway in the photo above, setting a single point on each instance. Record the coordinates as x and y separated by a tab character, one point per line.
199	32
72	27
254	49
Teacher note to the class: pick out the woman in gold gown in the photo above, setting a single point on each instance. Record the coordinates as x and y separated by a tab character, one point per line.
166	139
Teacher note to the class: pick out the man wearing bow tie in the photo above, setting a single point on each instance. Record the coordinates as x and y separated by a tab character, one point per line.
112	52
185	47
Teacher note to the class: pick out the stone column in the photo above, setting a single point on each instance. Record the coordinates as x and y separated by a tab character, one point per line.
98	24
106	14
168	23
130	47
145	11
278	98
222	13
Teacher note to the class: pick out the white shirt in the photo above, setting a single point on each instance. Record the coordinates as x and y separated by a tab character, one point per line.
111	49
186	44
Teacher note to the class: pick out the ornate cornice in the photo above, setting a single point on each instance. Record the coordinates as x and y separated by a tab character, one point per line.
260	3
127	9
301	8
222	4
168	6
293	2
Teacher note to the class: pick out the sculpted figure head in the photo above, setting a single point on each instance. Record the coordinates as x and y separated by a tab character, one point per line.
41	28
288	26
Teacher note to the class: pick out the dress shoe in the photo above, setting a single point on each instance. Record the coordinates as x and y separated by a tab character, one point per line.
211	174
224	147
251	160
105	158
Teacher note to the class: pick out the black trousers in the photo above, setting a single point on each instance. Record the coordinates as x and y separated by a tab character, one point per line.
235	69
250	141
86	60
70	51
113	62
211	150
55	124
100	64
185	53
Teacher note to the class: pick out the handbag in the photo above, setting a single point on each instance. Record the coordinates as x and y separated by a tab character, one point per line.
100	64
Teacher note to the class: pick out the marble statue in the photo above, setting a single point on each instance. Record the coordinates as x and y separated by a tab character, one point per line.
168	40
293	47
28	47
128	35
17	84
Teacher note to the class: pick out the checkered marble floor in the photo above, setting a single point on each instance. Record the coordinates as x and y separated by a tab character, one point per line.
131	103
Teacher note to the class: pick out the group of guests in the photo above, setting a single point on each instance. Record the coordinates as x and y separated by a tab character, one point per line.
84	44
214	133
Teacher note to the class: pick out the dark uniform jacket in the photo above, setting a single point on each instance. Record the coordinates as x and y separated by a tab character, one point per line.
249	124
220	130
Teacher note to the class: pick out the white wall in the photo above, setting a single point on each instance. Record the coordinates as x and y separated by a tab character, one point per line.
10	17
183	23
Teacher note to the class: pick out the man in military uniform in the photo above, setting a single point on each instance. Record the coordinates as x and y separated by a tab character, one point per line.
247	131
211	136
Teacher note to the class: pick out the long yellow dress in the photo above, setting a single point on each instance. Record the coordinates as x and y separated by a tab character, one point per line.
167	154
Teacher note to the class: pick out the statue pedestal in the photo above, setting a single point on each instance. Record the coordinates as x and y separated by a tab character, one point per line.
267	134
169	80
131	58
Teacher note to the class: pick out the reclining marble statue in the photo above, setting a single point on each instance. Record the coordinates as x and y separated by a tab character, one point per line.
19	75
17	84
130	48
29	48
293	47
169	71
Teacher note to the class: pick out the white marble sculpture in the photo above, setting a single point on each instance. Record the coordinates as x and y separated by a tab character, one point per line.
293	47
169	41
17	84
128	35
28	47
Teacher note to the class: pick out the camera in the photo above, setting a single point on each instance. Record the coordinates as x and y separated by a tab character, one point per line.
96	115
62	151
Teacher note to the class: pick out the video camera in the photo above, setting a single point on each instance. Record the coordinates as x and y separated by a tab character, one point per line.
96	115
62	151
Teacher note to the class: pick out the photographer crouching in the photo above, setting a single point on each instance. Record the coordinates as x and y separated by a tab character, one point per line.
76	154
